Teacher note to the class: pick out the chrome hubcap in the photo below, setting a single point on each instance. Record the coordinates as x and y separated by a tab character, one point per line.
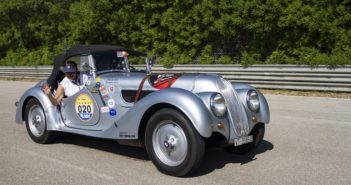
36	120
170	143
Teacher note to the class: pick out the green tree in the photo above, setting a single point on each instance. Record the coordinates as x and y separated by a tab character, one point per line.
286	32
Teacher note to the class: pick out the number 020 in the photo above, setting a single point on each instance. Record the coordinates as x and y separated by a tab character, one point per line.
84	108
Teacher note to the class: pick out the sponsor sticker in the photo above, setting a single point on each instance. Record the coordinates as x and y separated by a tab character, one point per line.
112	81
127	134
111	89
97	80
111	103
93	90
105	109
105	97
88	82
97	85
103	92
113	112
84	107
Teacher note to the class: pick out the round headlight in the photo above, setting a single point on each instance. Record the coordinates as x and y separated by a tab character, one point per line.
218	106
252	100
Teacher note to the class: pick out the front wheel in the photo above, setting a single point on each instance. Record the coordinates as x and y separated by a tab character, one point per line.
36	122
257	133
172	143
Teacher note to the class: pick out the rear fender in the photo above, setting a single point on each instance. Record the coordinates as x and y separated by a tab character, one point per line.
185	101
53	116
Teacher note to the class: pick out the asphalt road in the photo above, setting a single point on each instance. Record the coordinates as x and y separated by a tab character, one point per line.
307	142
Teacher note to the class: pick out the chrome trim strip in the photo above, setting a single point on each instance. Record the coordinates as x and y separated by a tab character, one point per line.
235	109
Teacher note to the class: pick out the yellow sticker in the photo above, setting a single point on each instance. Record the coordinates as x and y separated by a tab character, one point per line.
93	90
84	107
98	79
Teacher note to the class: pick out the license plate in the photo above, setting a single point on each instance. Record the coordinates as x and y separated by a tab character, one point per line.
243	140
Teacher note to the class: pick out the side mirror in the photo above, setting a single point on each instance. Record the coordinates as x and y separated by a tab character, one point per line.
149	63
85	66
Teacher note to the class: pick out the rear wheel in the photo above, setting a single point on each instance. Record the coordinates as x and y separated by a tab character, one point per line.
36	122
257	133
172	143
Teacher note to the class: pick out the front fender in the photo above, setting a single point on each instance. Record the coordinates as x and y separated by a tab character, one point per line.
52	114
263	116
264	109
187	102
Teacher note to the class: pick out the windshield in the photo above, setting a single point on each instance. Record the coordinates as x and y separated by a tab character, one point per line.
110	61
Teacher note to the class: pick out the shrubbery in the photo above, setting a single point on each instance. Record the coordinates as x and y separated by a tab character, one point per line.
312	32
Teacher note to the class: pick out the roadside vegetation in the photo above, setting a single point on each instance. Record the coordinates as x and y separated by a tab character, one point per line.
315	32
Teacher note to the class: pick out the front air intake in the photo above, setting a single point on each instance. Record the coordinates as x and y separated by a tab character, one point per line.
236	111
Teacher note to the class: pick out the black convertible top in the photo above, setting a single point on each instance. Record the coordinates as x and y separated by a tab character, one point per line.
89	49
60	59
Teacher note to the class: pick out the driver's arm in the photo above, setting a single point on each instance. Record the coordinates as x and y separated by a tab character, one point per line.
58	96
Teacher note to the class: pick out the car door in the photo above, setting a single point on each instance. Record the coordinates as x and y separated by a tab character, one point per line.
81	110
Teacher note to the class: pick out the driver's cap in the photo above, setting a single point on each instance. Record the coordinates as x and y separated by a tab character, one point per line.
70	68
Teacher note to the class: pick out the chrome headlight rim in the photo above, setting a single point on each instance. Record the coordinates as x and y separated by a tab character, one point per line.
253	100
218	109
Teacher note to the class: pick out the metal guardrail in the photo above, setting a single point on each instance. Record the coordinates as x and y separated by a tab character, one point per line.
261	76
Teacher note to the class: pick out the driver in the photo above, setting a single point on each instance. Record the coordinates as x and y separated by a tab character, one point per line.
67	87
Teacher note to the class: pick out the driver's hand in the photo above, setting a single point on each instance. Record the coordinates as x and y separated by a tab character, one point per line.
46	89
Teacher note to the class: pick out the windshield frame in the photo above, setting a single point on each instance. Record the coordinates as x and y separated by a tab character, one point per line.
110	61
125	68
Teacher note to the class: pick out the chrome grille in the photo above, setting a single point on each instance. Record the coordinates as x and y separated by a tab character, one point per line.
235	109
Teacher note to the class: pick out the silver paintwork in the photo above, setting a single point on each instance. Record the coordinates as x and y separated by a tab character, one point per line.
236	113
188	103
263	115
53	118
190	94
72	120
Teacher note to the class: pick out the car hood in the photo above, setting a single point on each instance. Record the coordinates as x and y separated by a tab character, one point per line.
194	82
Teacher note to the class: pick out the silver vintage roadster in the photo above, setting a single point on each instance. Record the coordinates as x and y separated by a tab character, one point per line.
173	116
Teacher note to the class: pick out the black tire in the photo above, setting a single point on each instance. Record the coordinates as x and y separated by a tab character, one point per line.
258	134
169	131
35	119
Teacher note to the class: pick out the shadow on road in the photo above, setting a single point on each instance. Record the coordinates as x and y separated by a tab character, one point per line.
215	157
104	145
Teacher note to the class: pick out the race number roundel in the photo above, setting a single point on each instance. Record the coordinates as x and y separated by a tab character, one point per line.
84	107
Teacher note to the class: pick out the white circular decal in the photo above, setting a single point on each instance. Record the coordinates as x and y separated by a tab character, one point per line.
84	107
111	103
88	82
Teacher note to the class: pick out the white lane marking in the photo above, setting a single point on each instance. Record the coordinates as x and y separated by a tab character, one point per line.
57	161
